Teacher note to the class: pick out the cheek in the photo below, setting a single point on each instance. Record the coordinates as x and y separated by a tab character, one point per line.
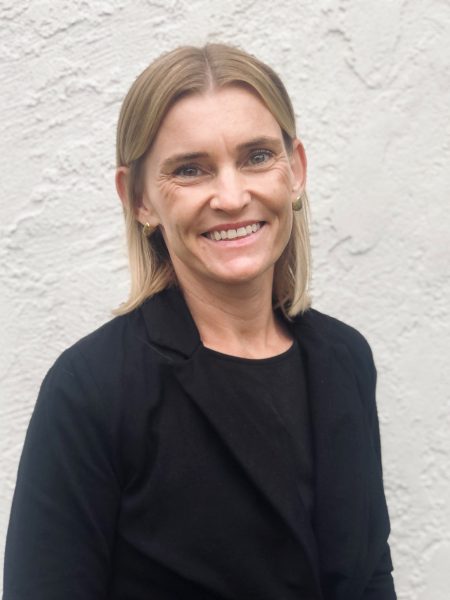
281	203
164	205
278	185
177	227
186	210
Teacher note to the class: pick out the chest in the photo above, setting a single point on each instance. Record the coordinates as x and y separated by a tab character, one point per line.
198	495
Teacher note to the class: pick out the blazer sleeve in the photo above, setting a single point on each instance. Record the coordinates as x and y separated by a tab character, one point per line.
62	524
381	584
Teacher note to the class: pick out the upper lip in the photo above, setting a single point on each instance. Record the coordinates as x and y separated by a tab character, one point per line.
227	226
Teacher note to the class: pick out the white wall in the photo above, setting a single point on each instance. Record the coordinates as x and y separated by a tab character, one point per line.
370	83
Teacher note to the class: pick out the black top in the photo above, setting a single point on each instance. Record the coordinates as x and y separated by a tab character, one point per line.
280	382
147	473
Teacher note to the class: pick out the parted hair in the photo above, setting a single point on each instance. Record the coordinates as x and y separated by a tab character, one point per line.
185	71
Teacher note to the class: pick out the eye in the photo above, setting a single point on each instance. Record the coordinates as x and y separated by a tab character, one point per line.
188	171
260	157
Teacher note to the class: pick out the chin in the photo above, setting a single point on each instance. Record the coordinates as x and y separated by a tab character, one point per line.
240	277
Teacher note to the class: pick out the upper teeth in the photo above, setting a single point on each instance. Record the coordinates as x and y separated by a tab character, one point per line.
230	234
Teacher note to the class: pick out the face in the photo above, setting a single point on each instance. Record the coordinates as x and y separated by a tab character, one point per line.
220	184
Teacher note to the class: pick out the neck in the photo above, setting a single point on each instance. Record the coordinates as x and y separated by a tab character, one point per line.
237	320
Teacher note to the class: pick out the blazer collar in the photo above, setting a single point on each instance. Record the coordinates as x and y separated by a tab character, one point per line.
170	324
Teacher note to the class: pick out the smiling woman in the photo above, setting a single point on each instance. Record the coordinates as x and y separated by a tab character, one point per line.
219	164
165	106
219	438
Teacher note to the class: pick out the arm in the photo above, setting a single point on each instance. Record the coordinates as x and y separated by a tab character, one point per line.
381	584
62	524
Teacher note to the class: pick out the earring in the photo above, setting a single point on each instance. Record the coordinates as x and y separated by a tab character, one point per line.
297	205
147	229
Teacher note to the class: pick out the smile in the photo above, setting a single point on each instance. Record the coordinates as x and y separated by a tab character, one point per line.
231	234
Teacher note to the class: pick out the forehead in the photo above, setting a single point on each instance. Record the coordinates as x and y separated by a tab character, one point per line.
229	114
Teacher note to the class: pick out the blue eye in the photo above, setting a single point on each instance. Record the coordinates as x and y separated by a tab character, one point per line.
187	171
260	157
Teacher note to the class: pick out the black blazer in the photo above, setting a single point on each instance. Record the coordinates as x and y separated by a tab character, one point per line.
141	478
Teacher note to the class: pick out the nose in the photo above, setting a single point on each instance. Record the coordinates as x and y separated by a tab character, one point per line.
230	193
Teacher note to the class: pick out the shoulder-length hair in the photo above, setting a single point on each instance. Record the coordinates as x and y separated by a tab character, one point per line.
191	70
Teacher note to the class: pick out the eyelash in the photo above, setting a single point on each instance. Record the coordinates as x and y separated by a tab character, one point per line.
267	153
261	151
179	171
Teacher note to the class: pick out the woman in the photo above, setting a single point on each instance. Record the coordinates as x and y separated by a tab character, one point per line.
219	439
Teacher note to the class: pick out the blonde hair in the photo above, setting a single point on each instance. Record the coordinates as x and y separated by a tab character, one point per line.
190	70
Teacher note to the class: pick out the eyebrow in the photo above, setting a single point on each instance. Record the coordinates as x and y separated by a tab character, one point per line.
186	157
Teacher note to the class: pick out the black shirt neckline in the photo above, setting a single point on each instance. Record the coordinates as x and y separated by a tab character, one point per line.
253	361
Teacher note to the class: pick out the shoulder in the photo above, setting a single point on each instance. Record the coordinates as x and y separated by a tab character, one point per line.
333	329
334	332
98	363
108	344
107	341
89	353
102	383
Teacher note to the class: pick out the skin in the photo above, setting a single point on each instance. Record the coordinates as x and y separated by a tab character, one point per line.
219	162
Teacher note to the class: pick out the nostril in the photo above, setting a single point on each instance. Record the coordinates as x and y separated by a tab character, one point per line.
229	200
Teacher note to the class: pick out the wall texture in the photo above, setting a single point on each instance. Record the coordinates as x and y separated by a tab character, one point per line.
370	83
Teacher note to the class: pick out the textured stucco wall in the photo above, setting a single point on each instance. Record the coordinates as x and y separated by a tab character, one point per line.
370	83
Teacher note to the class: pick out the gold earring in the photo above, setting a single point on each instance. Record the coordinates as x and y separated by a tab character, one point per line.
297	205
147	229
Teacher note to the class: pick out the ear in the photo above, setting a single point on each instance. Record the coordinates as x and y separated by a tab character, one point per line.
143	210
298	166
121	179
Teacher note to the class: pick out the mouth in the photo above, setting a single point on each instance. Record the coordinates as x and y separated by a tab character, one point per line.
245	230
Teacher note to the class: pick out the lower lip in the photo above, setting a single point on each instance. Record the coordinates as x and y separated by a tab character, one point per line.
238	241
